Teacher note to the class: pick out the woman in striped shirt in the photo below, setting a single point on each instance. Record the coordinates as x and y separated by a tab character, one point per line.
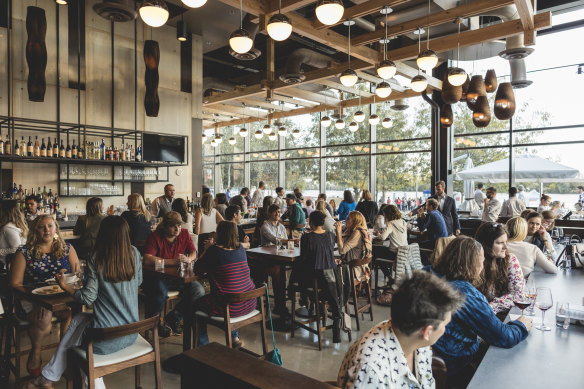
225	263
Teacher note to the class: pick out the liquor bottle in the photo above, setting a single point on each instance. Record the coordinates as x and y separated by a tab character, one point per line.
49	147
14	191
29	151
43	151
7	145
36	148
116	154
123	152
131	153
102	150
61	150
74	150
16	147
19	192
22	147
1	145
44	192
108	154
68	151
56	149
80	152
139	153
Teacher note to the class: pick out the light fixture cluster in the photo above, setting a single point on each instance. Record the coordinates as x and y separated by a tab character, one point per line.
386	68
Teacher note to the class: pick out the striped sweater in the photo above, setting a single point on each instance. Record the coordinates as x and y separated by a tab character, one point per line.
228	272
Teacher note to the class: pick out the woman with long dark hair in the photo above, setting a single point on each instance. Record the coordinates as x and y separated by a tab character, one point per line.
180	205
262	216
367	207
347	205
502	277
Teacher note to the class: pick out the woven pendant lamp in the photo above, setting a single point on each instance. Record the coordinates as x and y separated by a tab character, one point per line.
491	81
476	88
465	88
505	102
446	116
481	115
450	94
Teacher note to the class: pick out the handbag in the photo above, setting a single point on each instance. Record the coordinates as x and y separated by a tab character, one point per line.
274	355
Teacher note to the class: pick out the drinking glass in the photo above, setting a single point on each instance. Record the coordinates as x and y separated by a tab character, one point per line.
563	315
522	301
184	263
530	292
544	301
79	271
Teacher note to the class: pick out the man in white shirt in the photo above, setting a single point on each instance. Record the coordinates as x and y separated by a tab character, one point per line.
162	205
513	206
479	196
258	195
492	206
280	198
396	353
521	195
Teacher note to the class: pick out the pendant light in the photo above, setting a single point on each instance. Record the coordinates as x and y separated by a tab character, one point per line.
329	12
427	59
218	138
491	81
339	124
232	141
213	143
181	29
505	102
418	83
465	88
446	116
194	3
272	136
476	88
387	122
61	2
457	76
386	69
243	131
383	90
353	126
204	137
481	115
296	133
349	76
450	94
267	129
373	119
279	26
240	41
154	12
359	116
282	131
259	134
325	121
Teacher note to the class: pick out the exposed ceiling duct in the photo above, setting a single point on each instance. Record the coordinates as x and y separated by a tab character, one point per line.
252	29
400	105
293	71
519	74
211	84
116	10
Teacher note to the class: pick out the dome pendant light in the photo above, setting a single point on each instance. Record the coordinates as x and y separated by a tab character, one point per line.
386	69
232	141
383	90
418	83
427	59
194	3
259	134
296	133
359	116
240	41
373	119
457	76
243	131
204	137
349	77
329	12
339	124
267	129
154	12
387	122
282	131
279	26
272	136
213	143
450	94
325	121
353	126
61	2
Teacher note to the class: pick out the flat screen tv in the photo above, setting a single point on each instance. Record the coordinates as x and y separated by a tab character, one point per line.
165	148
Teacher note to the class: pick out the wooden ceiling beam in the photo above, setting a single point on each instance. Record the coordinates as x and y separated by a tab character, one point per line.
359	10
438	18
290	100
525	10
311	96
251	90
341	87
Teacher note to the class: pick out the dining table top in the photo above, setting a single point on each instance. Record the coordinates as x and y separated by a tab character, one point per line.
171	273
271	253
53	303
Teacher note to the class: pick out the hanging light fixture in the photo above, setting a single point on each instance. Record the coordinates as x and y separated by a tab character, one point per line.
267	129
194	3
481	115
240	41
427	59
282	131
383	90
272	136
359	116
279	26
232	141
505	102
259	134
218	138
243	131
386	69
349	77
373	119
476	88
387	122
465	88
450	94
214	143
61	2
154	12
353	126
446	116
418	83
491	81
325	121
329	12
457	76
296	133
204	137
339	124
181	29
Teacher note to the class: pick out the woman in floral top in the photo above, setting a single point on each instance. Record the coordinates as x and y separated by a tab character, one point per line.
42	257
502	275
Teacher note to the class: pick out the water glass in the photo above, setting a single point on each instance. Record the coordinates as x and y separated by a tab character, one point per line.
184	263
563	315
159	264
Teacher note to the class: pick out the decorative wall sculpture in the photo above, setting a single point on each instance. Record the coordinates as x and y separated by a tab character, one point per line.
151	60
36	53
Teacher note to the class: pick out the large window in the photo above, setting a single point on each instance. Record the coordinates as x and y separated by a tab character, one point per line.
303	174
350	173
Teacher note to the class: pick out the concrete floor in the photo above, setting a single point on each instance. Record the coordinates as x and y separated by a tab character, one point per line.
299	354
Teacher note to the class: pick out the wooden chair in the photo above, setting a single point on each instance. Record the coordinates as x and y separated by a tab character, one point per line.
139	353
360	284
439	372
229	324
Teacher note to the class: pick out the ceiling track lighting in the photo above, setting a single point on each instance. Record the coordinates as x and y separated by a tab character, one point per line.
329	12
154	12
194	3
427	59
349	77
279	26
240	40
457	76
386	69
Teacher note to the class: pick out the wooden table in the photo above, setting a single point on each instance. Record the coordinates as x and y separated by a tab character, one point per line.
215	366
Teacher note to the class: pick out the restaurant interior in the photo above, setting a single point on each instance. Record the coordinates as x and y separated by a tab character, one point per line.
127	106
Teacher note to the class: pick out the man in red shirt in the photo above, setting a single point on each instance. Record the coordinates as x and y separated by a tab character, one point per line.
168	242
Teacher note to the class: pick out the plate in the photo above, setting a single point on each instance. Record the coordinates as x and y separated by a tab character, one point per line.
49	290
69	280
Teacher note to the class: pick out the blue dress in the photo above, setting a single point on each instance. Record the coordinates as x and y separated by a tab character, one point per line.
345	208
40	270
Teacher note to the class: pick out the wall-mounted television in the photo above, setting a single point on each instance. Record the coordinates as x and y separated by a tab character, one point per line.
165	148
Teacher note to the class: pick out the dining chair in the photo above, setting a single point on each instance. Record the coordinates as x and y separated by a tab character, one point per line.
439	372
97	365
364	283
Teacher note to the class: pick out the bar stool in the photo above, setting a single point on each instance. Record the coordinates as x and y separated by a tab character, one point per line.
360	283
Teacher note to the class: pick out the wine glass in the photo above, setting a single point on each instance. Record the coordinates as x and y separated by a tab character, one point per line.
543	301
522	301
530	292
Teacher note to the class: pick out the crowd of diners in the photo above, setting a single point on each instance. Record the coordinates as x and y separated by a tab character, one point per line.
456	305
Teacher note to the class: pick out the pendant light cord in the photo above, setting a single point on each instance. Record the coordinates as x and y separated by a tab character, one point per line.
459	20
349	43
279	6
241	14
385	41
428	39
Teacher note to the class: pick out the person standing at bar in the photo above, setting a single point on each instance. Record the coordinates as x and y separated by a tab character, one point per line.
513	206
240	201
280	198
163	204
492	206
446	206
479	196
32	207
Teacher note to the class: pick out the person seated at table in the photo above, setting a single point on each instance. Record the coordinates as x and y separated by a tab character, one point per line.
262	216
240	201
168	242
43	256
87	225
273	229
317	261
461	265
333	204
180	205
556	208
527	254
544	203
367	207
225	263
308	209
138	218
233	214
549	221
433	224
396	353
113	275
206	220
502	279
13	229
354	242
513	206
347	205
537	234
578	210
379	221
294	216
221	203
329	222
396	234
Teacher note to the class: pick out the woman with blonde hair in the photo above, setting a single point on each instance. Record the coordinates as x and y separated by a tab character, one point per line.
138	219
87	226
355	242
527	254
44	255
329	222
206	220
367	207
13	228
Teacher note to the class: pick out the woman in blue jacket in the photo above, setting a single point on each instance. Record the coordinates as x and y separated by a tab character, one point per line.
462	264
347	205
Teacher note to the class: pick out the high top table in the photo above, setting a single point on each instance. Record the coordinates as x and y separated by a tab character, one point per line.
547	360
